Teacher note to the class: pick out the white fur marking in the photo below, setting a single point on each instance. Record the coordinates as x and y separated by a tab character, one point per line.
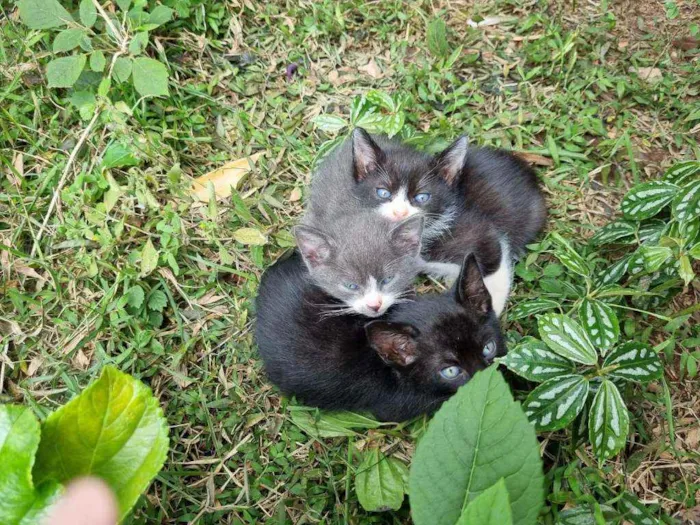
372	292
399	207
498	283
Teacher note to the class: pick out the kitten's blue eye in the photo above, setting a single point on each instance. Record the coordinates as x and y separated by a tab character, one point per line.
422	198
451	372
351	286
386	280
383	193
489	351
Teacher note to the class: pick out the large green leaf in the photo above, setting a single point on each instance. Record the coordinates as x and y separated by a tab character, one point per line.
687	204
566	338
556	403
114	430
528	308
682	172
479	436
614	231
491	507
532	360
43	14
20	502
646	200
600	322
380	482
608	422
150	77
64	72
634	361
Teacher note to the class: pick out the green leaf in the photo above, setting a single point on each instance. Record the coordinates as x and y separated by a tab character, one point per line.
613	273
646	200
88	13
650	231
634	510
687	204
85	103
437	38
330	424
157	301
118	155
694	252
43	14
20	502
600	322
608	422
635	265
682	172
566	338
478	436
124	4
614	231
380	482
135	296
68	39
655	256
330	123
122	69
634	361
532	360
98	61
585	515
393	124
491	507
528	308
114	430
138	43
671	9
570	257
150	77
556	402
64	72
149	258
160	15
381	99
250	237
685	270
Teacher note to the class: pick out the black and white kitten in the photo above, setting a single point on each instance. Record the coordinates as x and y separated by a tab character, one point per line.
398	367
365	261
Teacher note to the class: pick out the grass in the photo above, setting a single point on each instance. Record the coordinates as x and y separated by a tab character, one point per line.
598	94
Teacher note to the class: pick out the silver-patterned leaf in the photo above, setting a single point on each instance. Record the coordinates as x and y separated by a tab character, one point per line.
687	204
634	361
614	232
635	265
600	322
682	172
646	200
651	231
528	308
566	337
608	421
635	511
569	257
532	360
655	256
613	273
556	403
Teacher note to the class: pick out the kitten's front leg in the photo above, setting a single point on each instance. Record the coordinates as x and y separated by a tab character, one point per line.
441	270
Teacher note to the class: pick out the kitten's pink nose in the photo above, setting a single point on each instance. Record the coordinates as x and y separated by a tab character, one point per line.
400	213
374	303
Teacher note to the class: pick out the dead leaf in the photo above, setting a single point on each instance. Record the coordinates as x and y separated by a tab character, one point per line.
692	439
80	360
28	271
295	195
534	158
224	178
34	365
650	74
333	77
372	69
687	43
18	165
209	298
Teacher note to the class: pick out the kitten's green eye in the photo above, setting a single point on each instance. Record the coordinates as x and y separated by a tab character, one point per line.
422	198
383	193
351	286
386	280
489	351
451	372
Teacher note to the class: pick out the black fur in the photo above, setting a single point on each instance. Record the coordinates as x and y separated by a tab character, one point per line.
390	367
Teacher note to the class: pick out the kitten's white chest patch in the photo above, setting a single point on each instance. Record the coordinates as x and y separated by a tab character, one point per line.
498	283
399	207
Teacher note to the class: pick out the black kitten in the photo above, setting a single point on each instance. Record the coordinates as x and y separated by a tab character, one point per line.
401	366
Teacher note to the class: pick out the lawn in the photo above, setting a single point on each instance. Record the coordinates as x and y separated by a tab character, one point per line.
106	257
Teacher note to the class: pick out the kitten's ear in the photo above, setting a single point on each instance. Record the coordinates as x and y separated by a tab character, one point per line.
314	245
471	290
366	155
394	342
406	236
451	161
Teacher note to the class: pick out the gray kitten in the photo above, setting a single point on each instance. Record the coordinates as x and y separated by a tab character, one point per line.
367	262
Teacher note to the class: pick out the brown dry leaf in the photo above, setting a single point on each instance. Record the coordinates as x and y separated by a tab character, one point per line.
372	69
693	438
28	271
34	365
687	43
650	74
209	298
534	158
224	178
333	77
295	195
80	360
18	164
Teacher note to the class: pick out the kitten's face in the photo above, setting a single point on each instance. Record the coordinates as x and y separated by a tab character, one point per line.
367	264
446	341
401	182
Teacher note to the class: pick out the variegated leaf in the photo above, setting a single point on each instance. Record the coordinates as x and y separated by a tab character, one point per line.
569	257
635	511
556	403
635	265
651	231
687	204
528	308
614	232
532	360
608	422
566	337
681	173
655	256
600	322
690	231
635	361
646	200
613	273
